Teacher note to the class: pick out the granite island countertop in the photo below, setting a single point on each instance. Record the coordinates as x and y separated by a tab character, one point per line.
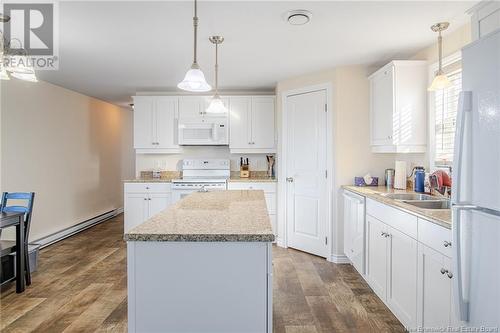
441	217
218	216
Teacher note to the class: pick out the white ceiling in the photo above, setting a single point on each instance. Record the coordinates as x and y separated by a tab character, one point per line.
110	50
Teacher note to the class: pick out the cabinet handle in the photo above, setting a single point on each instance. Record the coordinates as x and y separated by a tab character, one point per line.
147	187
149	199
446	244
450	275
387	235
444	271
145	198
383	234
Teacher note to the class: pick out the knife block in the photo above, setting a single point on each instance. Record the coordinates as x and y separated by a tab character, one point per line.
244	171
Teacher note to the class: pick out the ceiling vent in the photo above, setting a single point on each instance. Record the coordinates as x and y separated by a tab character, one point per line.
298	17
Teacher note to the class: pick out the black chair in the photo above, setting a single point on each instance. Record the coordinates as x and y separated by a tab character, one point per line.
7	247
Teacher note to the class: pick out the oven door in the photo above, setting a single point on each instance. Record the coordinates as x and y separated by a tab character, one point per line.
213	132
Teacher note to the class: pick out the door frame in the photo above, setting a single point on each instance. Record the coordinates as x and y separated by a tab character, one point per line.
282	168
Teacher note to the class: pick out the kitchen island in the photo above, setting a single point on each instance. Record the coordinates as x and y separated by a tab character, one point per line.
202	265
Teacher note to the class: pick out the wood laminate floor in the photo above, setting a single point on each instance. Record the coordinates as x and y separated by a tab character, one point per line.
81	286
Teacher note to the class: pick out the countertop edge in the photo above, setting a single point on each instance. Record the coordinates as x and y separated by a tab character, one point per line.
215	238
377	197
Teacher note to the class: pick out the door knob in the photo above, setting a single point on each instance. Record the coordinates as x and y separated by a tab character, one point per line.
289	179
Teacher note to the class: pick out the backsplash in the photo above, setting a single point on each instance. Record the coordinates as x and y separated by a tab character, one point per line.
173	162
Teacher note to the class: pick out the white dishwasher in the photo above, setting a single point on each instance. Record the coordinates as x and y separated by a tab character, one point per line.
354	230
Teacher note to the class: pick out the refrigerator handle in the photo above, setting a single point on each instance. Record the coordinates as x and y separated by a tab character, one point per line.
464	107
460	274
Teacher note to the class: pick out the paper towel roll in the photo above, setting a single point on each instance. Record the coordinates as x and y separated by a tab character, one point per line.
400	175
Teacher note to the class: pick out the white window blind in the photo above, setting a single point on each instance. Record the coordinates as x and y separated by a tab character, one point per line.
445	111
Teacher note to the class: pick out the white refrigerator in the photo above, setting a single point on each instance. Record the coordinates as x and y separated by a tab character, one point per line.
476	187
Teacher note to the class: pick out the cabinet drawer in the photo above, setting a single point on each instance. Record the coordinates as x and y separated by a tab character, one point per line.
435	236
396	218
266	187
147	187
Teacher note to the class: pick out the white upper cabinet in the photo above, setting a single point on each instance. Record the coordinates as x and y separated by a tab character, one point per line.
240	122
485	18
252	124
398	107
195	107
155	124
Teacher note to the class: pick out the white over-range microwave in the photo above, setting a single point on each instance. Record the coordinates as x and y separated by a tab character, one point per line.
208	132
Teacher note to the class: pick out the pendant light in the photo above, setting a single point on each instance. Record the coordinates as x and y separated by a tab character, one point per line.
216	104
441	80
195	80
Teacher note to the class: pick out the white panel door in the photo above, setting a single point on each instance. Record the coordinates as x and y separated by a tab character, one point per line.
263	117
306	172
434	288
481	75
191	107
382	100
166	114
135	209
240	122
158	202
376	272
402	277
144	131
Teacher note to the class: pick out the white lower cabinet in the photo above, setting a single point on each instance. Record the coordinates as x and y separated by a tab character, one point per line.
269	189
409	270
376	272
142	201
434	305
402	276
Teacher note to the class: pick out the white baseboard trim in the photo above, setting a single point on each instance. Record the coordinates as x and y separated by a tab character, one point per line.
280	242
339	259
65	233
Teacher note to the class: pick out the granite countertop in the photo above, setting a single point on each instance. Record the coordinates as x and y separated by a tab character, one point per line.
257	176
441	217
219	216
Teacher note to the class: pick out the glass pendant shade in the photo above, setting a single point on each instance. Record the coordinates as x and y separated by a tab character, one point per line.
194	81
20	64
216	105
3	74
440	82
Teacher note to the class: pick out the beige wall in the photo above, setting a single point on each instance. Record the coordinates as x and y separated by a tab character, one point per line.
72	150
352	153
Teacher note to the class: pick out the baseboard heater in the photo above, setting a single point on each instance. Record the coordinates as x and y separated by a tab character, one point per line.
65	233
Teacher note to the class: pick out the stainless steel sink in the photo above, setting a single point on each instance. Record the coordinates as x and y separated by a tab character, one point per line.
410	196
430	204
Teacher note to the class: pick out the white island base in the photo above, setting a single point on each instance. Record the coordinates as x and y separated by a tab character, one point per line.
199	286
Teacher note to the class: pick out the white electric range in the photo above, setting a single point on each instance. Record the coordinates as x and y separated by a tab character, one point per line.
201	175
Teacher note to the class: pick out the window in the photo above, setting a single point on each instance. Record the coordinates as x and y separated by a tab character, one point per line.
444	103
